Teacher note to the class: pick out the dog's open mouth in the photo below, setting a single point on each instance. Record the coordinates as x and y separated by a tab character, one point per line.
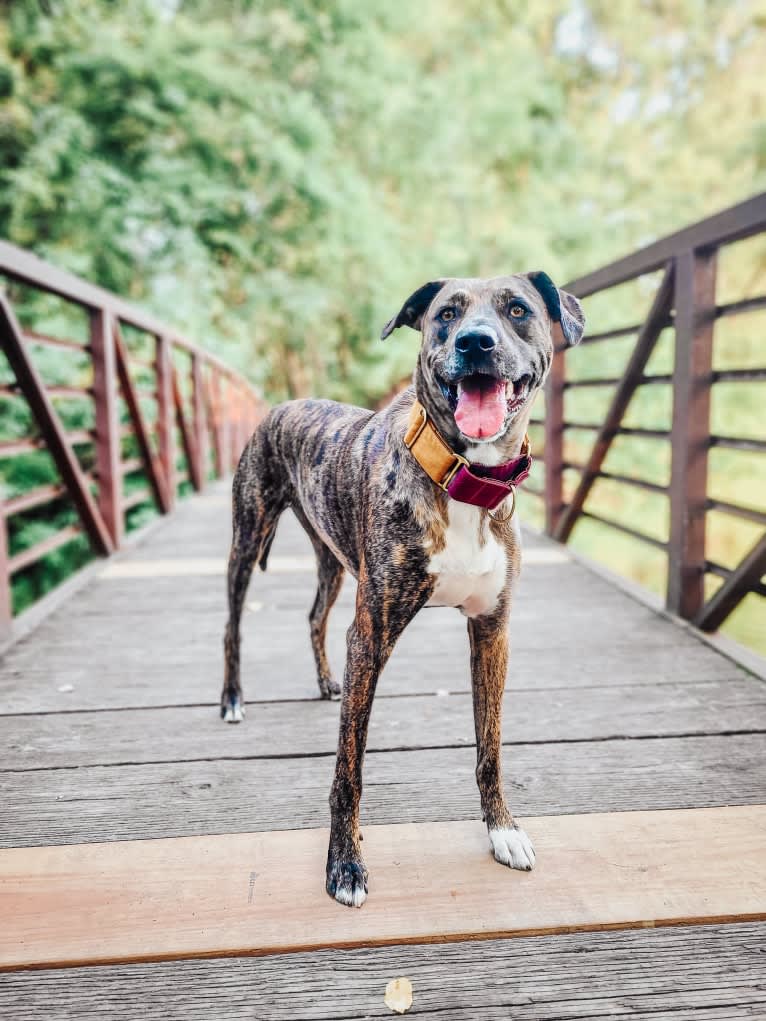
482	404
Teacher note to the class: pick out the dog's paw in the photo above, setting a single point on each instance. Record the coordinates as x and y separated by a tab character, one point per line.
512	847
232	710
347	882
328	688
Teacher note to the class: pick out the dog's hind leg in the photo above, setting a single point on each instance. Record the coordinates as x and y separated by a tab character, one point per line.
330	581
330	572
255	516
244	553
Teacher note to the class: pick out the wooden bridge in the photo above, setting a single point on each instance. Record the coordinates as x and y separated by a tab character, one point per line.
633	737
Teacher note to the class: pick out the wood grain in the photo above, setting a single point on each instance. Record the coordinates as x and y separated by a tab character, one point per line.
253	893
94	803
690	973
300	728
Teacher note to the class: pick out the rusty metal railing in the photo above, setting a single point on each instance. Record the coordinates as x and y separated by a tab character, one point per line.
158	411
684	301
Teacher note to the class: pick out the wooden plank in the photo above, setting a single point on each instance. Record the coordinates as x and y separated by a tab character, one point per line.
695	282
631	380
64	806
103	674
52	430
123	678
275	730
704	973
208	896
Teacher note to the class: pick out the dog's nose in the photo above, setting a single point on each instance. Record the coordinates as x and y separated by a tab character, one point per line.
475	341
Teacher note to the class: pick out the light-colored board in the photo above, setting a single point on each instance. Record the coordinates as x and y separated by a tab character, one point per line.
687	973
93	803
276	729
263	893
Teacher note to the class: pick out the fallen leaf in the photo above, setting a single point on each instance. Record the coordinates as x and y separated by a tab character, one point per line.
399	995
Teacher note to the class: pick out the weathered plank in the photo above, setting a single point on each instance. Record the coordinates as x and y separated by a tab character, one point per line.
219	796
170	675
700	972
533	626
206	896
281	729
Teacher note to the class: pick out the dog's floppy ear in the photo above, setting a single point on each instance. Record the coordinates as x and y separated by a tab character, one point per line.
412	311
563	308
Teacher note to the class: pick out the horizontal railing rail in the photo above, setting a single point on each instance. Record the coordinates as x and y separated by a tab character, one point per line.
159	413
685	301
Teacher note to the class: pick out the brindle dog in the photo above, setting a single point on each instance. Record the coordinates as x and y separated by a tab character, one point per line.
369	508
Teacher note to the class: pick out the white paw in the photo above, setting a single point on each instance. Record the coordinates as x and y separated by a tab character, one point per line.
234	713
513	847
351	898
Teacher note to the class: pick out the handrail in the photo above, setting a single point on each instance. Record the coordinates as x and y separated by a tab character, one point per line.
685	301
213	423
25	267
733	224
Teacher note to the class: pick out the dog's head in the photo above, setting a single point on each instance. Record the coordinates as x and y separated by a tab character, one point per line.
487	347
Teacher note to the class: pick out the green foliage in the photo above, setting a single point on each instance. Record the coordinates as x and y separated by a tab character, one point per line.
275	177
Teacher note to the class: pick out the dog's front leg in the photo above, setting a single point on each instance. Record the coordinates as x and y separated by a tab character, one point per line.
489	663
383	610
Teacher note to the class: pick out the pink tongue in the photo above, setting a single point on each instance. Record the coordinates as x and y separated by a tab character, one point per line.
481	407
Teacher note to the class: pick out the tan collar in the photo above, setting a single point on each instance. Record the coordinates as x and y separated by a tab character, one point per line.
476	484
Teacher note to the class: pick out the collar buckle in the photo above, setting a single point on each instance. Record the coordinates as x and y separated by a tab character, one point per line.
452	471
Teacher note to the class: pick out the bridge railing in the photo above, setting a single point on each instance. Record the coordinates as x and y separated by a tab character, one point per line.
684	304
140	416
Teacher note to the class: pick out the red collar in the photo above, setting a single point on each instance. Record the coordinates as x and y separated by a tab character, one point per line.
478	484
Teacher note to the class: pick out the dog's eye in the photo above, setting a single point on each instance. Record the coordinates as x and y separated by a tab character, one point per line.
447	315
518	311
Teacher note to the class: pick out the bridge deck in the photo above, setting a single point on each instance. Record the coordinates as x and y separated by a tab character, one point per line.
109	730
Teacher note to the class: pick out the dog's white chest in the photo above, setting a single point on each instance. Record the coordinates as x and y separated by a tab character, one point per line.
469	573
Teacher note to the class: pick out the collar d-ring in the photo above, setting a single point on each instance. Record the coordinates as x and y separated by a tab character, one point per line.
509	515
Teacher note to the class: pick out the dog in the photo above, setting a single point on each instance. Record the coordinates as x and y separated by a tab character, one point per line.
416	502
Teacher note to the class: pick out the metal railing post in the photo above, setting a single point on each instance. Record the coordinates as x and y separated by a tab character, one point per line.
199	424
107	422
554	442
695	279
6	603
165	414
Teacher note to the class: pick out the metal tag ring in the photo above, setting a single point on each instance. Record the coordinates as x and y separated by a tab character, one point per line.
509	515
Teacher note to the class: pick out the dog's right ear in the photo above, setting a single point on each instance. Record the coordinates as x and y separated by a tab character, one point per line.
412	311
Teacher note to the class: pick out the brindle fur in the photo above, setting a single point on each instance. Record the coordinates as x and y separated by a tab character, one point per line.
369	508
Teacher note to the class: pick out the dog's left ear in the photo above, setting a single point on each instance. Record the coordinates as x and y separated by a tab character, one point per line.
563	308
415	307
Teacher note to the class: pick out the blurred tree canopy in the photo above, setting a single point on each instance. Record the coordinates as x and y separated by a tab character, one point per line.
276	177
